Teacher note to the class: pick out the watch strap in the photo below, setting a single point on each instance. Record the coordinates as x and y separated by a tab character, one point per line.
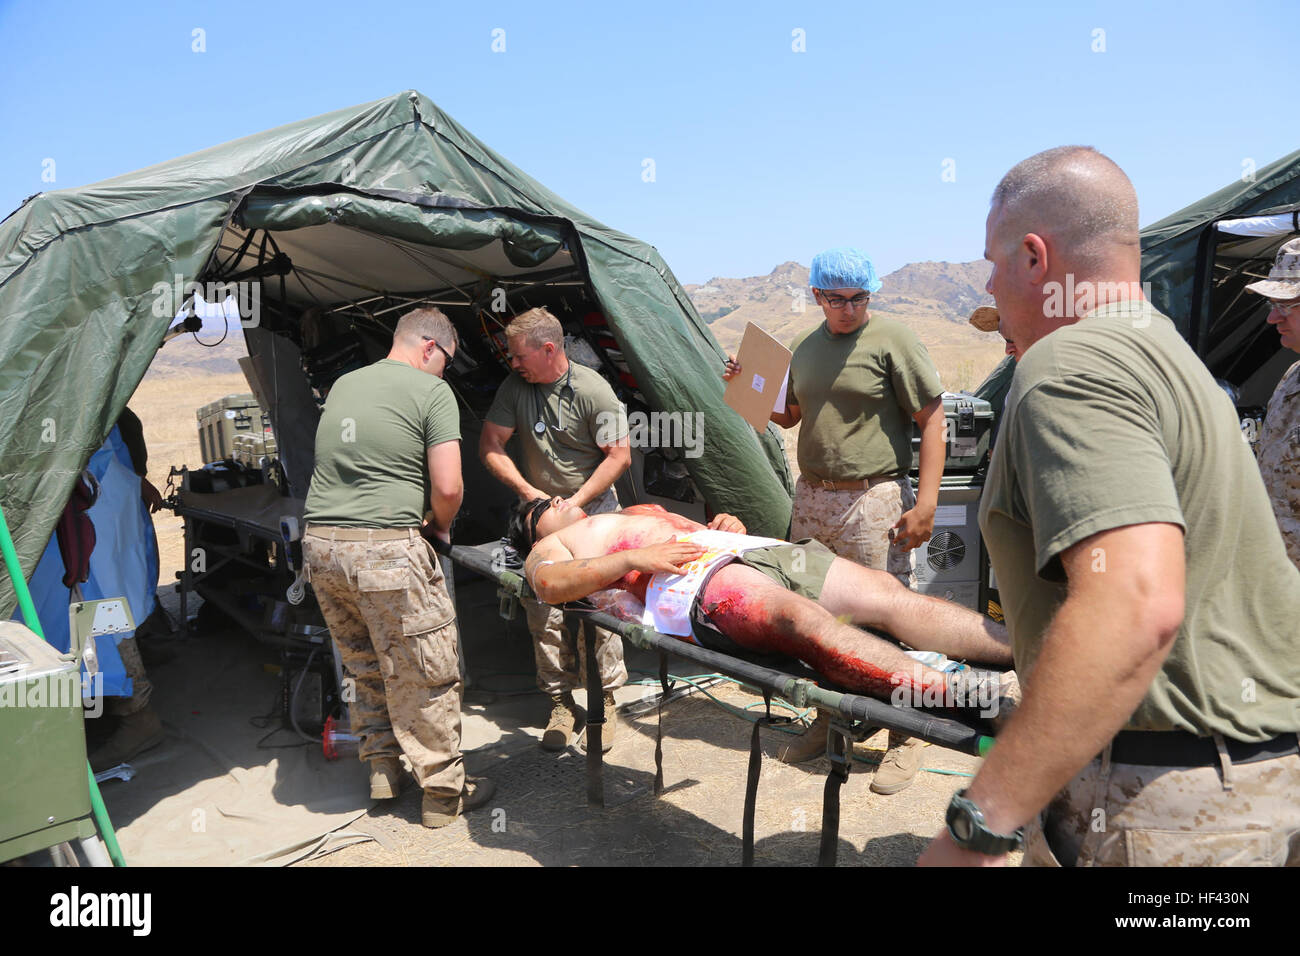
981	839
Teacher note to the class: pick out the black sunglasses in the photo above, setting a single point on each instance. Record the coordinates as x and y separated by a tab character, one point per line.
440	348
539	509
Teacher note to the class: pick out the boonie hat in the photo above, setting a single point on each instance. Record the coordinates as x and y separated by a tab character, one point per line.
1283	280
985	318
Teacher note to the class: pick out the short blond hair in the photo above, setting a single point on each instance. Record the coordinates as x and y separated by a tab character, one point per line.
538	327
428	323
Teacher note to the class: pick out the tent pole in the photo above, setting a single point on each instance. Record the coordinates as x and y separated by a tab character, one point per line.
97	808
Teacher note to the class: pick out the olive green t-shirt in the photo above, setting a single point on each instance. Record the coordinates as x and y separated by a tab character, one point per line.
371	465
579	412
1114	421
857	394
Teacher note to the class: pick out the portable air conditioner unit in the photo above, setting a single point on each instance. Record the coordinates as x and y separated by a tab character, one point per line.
948	566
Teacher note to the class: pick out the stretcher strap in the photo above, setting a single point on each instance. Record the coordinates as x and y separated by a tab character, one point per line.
664	688
751	782
839	748
586	633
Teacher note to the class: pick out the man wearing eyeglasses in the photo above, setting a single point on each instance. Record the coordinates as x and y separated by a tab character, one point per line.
857	384
1279	442
387	451
572	437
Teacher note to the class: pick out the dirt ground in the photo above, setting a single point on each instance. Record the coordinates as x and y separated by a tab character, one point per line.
539	814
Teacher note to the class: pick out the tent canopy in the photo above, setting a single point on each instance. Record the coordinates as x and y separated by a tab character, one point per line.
1200	259
353	211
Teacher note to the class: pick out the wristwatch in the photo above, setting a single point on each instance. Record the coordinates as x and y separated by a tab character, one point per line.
968	830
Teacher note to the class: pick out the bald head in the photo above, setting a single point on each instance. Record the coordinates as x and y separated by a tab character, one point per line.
1079	200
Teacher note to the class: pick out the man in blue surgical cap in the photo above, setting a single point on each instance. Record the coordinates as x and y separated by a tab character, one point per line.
857	384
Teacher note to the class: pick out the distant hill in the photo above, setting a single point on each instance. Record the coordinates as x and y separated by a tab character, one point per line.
934	299
953	289
185	356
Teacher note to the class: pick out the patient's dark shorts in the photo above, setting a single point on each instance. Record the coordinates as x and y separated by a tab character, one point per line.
800	568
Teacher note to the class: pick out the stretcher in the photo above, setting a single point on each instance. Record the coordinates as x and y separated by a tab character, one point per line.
854	717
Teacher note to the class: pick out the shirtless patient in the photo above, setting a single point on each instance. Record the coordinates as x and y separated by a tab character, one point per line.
575	555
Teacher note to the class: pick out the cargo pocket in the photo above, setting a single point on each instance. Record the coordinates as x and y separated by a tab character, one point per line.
1197	847
435	645
432	606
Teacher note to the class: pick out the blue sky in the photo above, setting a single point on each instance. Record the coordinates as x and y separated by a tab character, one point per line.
761	153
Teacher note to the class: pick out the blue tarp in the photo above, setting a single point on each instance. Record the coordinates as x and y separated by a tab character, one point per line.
123	564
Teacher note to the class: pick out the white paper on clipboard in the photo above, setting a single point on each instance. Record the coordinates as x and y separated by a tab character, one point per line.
779	404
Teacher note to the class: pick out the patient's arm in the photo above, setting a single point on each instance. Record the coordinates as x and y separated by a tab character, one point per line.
556	576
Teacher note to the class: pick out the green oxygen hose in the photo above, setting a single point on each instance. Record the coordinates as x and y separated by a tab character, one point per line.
98	810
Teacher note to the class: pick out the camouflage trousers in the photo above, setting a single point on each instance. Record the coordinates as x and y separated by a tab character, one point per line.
1279	458
141	686
1115	814
394	626
855	524
561	665
562	657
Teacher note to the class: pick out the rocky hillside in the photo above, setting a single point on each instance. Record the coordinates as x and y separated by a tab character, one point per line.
952	289
933	298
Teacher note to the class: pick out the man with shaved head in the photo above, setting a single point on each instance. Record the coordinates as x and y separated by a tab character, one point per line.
1151	606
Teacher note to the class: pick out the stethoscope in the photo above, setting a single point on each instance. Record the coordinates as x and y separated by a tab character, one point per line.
541	426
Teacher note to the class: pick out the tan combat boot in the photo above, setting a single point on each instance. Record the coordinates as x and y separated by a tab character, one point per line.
807	746
897	771
559	729
438	811
608	729
386	778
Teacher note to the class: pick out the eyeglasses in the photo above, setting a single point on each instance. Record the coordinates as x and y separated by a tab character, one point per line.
440	349
1286	308
859	301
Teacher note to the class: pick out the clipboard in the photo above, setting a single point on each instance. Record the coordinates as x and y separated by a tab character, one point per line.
760	387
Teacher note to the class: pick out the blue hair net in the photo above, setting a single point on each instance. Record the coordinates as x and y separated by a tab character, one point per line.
843	268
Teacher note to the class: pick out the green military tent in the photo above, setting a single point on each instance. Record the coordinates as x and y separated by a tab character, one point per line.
339	223
1199	260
